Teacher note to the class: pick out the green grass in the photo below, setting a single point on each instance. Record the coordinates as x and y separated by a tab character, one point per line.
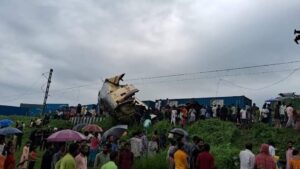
225	138
157	162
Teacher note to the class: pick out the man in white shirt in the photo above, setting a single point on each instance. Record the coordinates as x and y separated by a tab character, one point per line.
136	145
173	116
243	114
158	105
271	148
214	110
233	110
203	113
282	110
289	112
247	158
192	115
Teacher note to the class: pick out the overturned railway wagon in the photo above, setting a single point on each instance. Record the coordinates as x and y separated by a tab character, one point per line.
119	100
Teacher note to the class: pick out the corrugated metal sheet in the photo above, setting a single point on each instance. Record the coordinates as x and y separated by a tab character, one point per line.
241	101
53	107
33	109
36	109
12	110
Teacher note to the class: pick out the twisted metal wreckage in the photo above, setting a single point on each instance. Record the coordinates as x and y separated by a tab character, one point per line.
119	100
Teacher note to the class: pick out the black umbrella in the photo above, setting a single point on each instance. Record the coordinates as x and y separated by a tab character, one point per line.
116	131
179	131
79	126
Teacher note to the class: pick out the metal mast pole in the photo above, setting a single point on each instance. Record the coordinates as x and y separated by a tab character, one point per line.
297	34
47	91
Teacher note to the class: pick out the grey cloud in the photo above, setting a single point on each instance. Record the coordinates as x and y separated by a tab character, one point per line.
86	41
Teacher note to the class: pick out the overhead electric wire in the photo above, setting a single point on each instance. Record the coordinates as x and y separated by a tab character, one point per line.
267	86
182	74
213	77
164	81
214	71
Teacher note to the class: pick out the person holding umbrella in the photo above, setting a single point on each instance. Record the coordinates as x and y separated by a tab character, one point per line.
68	161
112	163
102	157
58	155
81	158
10	161
47	157
95	142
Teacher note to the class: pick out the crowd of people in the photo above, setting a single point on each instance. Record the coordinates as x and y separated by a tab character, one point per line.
111	153
267	158
279	115
79	110
198	156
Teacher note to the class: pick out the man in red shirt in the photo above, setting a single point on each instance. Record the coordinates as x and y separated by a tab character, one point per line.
205	160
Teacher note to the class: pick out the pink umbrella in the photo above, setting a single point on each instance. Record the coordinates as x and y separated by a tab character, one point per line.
92	128
66	135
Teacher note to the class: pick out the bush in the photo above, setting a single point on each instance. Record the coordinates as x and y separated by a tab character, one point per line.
214	131
157	162
107	123
226	156
161	126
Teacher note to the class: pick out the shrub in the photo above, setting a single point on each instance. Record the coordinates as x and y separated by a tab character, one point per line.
156	162
226	156
214	131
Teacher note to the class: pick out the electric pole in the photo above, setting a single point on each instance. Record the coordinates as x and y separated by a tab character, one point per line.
47	91
297	34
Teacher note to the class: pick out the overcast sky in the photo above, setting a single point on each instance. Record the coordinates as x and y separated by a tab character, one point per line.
85	41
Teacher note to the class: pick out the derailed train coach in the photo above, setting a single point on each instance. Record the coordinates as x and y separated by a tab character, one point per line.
119	100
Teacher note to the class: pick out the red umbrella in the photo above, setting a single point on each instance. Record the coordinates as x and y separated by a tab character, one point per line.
65	136
92	128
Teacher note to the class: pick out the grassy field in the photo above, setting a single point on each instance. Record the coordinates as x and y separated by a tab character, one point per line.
225	138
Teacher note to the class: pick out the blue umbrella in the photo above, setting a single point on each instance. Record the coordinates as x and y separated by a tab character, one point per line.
9	131
5	123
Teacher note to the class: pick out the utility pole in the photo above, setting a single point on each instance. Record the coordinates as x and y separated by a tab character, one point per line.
297	34
47	91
